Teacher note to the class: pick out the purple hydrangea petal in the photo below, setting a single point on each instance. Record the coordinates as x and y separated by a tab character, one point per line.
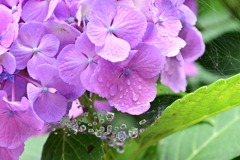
167	18
97	32
103	10
170	46
86	76
114	50
5	18
21	53
11	154
30	34
8	36
15	126
173	75
9	62
102	106
2	50
195	46
33	92
71	62
148	61
192	4
49	45
37	60
63	31
151	33
50	107
190	69
129	24
62	11
188	15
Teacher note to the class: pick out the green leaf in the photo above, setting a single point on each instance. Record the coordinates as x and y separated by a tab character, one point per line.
82	146
194	107
216	138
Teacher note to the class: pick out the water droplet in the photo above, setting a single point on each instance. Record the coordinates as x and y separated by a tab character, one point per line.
113	90
109	128
110	116
82	128
123	126
85	114
135	96
120	149
94	113
89	124
120	88
142	122
98	134
121	136
90	130
55	133
116	128
53	129
102	129
95	117
68	135
141	130
133	133
100	114
128	82
139	86
101	121
94	123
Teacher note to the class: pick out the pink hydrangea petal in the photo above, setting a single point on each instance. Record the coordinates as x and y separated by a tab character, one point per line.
192	4
170	46
50	107
71	64
173	75
2	50
49	45
11	154
21	53
104	10
97	32
114	50
30	34
148	61
129	24
36	60
35	11
195	46
9	62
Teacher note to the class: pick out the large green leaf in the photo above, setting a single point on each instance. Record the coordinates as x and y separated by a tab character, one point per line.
82	146
195	107
216	138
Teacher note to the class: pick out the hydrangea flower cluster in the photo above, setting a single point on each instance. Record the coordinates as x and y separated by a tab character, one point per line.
52	51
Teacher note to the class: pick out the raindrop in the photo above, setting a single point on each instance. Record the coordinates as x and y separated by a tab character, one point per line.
68	135
98	134
123	126
135	96
109	129
95	117
100	114
102	129
120	149
116	128
82	128
94	113
141	130
85	114
53	129
90	130
128	82
110	116
142	122
139	86
133	133
100	79
94	123
55	133
89	124
121	136
113	90
101	121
